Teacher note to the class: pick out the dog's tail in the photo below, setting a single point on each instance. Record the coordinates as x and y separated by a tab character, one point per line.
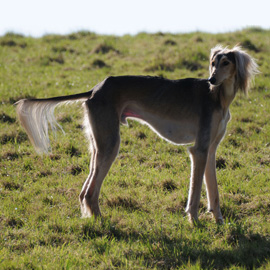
36	115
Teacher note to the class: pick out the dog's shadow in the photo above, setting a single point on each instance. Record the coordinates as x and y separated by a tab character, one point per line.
246	249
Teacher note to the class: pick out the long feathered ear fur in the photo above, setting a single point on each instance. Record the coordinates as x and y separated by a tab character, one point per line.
246	68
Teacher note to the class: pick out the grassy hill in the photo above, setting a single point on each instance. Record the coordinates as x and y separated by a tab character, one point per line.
144	195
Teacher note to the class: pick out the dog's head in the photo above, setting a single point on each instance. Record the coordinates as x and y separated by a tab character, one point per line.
234	64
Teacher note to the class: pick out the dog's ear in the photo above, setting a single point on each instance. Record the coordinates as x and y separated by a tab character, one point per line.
246	68
231	56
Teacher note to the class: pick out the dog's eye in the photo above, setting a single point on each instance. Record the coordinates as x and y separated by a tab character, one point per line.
226	63
213	64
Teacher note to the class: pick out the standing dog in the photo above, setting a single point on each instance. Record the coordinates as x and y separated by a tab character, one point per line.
181	111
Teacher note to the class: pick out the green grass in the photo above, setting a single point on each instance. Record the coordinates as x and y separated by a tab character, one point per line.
143	198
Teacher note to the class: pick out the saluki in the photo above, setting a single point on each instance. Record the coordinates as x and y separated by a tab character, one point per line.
186	111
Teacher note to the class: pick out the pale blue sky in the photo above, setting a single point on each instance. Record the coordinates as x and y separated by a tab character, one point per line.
118	17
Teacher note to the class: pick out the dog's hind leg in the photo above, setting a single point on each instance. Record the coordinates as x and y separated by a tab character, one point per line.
103	160
84	211
105	142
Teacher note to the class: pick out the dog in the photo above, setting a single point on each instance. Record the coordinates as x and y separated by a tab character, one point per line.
186	111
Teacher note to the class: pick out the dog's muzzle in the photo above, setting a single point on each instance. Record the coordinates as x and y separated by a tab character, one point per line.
212	80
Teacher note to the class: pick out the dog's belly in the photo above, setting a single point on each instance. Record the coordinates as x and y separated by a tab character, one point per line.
175	132
178	132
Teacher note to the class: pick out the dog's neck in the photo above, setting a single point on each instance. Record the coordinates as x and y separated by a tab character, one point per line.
225	93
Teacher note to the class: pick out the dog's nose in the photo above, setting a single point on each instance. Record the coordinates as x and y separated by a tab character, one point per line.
212	80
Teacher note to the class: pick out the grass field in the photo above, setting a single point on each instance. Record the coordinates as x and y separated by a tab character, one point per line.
144	195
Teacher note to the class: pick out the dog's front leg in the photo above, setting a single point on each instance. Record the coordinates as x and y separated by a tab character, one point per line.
198	161
211	186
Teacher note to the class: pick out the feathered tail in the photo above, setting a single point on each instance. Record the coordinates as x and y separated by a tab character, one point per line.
36	115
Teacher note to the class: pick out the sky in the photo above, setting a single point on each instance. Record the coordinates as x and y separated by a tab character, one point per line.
119	17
